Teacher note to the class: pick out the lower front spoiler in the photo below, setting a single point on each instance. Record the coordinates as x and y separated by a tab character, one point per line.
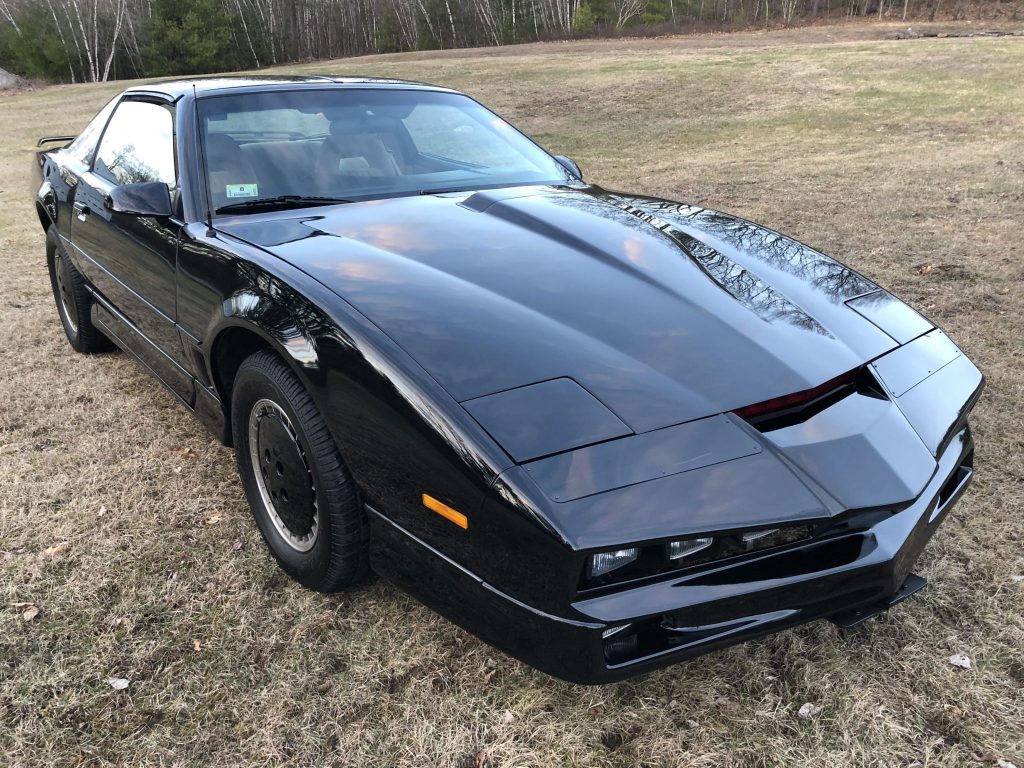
857	616
860	568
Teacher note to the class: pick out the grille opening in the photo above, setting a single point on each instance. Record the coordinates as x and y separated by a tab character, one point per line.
671	632
953	484
828	554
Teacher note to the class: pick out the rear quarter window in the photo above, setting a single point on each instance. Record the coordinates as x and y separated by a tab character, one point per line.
83	148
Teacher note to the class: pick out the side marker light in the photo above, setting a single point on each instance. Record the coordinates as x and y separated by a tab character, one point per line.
445	511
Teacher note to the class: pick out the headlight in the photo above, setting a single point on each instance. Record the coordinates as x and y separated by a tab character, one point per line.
750	540
622	566
605	562
681	548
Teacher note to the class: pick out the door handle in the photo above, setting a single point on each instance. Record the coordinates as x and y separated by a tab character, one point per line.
81	211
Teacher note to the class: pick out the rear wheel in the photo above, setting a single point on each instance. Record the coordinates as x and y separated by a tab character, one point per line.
73	300
298	487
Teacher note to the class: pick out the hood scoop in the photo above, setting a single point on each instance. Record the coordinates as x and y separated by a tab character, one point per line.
481	201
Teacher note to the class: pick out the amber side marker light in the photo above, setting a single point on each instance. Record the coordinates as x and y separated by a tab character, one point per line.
445	511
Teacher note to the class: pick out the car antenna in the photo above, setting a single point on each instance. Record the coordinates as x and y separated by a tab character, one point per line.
210	231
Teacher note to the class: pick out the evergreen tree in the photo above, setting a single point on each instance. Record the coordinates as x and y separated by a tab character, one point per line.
190	37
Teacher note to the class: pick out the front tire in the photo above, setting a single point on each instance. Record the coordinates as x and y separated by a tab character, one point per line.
73	300
301	494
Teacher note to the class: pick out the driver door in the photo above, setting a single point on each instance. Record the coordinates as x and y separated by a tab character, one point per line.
132	260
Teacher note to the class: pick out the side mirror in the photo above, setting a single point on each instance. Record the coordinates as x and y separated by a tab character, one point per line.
570	166
151	198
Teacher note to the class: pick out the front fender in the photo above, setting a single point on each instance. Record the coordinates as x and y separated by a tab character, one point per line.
230	306
277	321
398	431
266	315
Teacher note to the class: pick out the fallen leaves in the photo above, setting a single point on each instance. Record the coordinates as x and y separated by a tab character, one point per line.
959	660
28	610
490	670
949	270
214	519
57	549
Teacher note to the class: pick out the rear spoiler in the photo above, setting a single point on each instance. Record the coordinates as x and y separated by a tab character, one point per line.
54	139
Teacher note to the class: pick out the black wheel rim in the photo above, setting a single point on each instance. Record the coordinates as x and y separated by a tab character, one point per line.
283	476
65	293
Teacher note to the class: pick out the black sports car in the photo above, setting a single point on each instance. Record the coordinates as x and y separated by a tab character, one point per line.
604	432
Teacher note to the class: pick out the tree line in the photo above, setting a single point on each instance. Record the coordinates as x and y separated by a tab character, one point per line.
98	40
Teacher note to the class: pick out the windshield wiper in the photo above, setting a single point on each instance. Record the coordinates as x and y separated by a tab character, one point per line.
281	201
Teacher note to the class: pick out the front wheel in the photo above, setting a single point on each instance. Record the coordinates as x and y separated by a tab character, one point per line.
301	494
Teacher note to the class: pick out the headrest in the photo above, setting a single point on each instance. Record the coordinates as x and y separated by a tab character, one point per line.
349	127
220	142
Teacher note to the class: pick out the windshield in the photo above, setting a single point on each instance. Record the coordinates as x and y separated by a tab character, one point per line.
352	144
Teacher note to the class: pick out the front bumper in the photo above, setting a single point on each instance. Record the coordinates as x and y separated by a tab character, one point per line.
859	566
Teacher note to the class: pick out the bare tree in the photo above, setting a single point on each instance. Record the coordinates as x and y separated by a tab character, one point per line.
101	39
627	10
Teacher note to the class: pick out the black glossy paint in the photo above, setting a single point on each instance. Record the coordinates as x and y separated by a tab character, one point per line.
145	199
560	364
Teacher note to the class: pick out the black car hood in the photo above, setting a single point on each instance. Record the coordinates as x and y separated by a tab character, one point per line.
663	312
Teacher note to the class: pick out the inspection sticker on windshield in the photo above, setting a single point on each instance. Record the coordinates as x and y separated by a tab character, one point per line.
241	190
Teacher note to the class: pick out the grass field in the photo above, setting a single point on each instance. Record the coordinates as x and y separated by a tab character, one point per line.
122	522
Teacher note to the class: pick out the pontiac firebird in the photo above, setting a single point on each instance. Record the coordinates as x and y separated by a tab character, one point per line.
603	432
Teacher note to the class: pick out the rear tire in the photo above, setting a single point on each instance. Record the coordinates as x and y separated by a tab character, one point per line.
299	489
73	299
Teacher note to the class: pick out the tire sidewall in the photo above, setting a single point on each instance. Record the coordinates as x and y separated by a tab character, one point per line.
308	567
57	258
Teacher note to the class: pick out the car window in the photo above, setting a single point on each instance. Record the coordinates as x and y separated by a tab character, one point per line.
354	143
83	148
448	132
138	145
268	123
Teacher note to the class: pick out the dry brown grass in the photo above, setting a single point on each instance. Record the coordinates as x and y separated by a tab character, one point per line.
890	155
